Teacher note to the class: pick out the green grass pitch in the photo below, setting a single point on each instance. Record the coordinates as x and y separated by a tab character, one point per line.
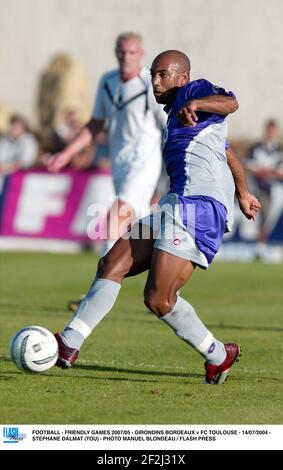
133	369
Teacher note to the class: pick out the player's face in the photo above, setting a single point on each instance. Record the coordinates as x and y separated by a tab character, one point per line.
129	54
166	78
16	129
272	133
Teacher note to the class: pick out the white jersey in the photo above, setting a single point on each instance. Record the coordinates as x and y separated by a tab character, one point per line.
265	155
135	123
21	151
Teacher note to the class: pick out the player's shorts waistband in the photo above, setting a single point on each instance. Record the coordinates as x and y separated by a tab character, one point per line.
190	227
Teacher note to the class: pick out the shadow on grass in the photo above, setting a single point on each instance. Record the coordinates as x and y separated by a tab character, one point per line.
98	368
6	376
157	373
12	375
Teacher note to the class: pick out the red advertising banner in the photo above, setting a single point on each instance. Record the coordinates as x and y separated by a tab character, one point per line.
38	204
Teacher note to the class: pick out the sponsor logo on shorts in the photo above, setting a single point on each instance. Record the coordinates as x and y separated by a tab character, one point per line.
176	241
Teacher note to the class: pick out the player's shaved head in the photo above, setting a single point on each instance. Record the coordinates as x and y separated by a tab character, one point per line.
177	59
170	70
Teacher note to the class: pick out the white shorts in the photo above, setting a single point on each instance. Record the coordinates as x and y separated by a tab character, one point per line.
138	187
171	234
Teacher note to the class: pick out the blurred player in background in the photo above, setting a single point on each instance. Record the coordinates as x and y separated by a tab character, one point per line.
188	230
265	165
135	123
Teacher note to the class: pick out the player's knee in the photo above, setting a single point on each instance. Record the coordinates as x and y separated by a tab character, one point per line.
157	304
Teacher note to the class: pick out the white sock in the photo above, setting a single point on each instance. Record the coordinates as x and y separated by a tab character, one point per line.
92	309
188	326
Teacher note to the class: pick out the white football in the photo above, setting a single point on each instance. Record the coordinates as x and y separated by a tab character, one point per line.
34	349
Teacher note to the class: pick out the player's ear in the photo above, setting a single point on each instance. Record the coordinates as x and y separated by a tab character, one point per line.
185	78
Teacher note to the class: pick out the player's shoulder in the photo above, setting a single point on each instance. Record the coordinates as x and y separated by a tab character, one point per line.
110	75
200	88
145	75
256	149
198	84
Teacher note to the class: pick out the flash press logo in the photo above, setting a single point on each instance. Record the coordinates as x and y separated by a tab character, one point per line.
12	435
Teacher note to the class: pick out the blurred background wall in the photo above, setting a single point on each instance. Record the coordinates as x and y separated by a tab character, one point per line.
235	44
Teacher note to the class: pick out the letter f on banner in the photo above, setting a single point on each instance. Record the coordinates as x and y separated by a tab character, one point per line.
42	196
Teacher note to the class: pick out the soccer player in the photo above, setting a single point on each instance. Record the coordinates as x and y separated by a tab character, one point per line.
135	122
193	218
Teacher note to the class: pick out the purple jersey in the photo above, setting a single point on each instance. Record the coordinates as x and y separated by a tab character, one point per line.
196	163
195	157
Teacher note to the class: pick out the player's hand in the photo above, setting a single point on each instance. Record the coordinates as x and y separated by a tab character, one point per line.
187	114
249	205
57	162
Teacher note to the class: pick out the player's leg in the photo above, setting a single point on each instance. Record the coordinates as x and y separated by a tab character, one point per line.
120	216
133	201
175	255
127	257
161	299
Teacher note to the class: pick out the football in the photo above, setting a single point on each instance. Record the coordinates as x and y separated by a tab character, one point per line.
34	349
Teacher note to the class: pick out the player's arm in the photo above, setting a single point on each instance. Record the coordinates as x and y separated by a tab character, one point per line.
218	104
82	140
248	203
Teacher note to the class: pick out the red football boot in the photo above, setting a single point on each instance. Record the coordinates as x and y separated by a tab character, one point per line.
218	374
66	355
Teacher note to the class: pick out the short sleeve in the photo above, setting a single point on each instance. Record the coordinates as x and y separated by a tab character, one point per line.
201	88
